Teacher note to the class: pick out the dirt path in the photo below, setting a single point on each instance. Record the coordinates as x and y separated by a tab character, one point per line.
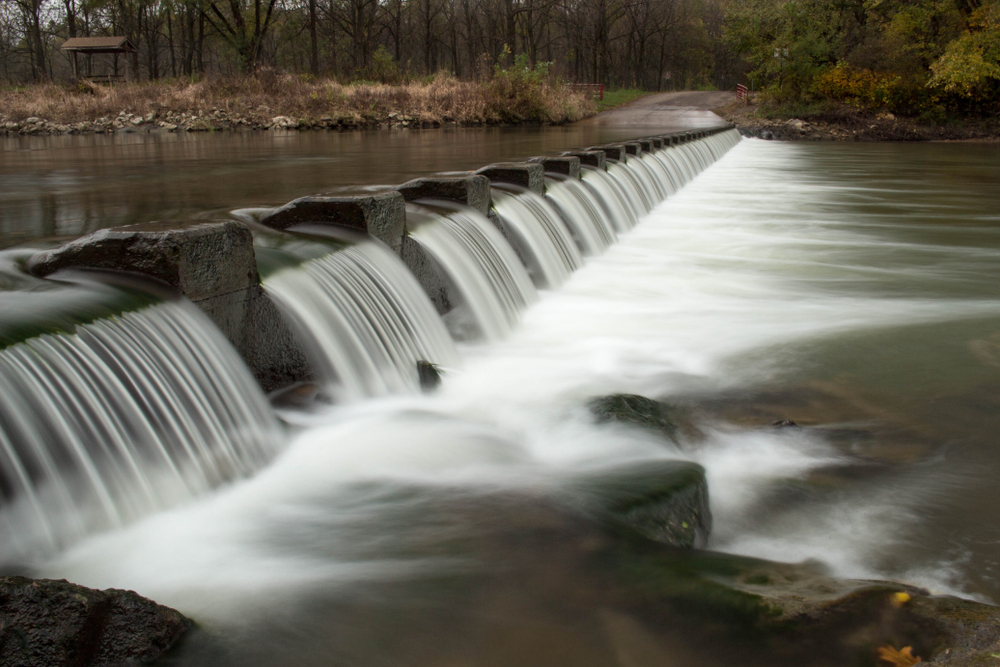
667	112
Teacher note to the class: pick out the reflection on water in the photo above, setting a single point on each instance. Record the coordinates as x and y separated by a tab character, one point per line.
69	185
851	289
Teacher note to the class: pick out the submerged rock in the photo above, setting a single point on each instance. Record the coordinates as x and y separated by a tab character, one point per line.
795	614
429	374
639	410
666	501
49	623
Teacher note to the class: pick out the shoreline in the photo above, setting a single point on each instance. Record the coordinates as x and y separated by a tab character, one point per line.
220	121
848	124
269	101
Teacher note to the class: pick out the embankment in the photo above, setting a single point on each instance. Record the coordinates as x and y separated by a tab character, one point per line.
271	101
845	123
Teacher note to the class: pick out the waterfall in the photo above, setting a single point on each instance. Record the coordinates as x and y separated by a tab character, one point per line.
481	266
583	213
363	319
119	417
662	175
112	409
539	232
647	180
609	191
636	196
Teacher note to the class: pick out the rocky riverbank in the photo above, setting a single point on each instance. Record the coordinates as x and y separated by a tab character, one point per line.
216	120
50	623
848	124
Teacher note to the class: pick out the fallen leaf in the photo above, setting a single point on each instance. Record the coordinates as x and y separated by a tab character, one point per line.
899	599
901	658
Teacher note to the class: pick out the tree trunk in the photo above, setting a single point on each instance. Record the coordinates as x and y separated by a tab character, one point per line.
313	44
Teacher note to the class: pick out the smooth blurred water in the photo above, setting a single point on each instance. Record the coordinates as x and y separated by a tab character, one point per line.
67	185
851	288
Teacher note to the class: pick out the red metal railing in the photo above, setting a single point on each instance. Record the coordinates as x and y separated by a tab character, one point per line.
596	90
743	93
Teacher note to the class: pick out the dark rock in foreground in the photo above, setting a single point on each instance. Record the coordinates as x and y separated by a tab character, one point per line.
49	623
666	501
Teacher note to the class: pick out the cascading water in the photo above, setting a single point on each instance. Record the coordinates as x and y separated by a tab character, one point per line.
481	266
647	179
583	213
615	202
540	232
362	316
107	419
635	194
355	503
661	174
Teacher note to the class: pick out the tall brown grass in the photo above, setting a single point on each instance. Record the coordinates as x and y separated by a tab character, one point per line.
267	94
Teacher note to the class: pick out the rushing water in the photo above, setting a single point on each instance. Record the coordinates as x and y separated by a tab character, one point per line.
112	417
851	288
364	319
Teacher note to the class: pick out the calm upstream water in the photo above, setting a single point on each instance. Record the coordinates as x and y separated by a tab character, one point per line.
68	185
854	289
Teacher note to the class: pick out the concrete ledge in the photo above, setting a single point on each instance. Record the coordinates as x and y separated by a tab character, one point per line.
594	158
568	165
473	190
529	175
612	151
633	148
213	265
381	215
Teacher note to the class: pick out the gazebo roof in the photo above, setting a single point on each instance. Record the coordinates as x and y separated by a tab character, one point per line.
99	45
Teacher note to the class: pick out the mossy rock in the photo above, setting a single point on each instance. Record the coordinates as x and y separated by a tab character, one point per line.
638	410
665	501
797	614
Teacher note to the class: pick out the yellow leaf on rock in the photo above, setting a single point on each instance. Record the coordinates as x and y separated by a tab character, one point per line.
901	658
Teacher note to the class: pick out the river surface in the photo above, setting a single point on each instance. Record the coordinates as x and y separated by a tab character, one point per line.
67	185
853	289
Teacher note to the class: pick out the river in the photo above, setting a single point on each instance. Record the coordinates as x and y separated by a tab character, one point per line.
851	288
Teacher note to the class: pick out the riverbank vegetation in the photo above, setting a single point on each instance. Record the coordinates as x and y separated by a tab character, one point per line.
935	61
269	99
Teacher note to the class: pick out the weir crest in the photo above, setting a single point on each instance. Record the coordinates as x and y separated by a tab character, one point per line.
131	404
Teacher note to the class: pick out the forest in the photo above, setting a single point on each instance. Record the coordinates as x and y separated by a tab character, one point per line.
924	58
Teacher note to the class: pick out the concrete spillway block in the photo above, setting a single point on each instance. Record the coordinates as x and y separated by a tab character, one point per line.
473	190
633	148
646	144
612	151
566	164
529	175
592	158
213	265
382	215
656	143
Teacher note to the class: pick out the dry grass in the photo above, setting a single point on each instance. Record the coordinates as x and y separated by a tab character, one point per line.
261	97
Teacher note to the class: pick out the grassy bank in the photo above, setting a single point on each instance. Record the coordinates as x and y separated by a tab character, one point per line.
272	100
616	98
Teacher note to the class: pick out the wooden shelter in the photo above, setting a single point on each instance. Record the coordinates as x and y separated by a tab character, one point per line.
115	46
